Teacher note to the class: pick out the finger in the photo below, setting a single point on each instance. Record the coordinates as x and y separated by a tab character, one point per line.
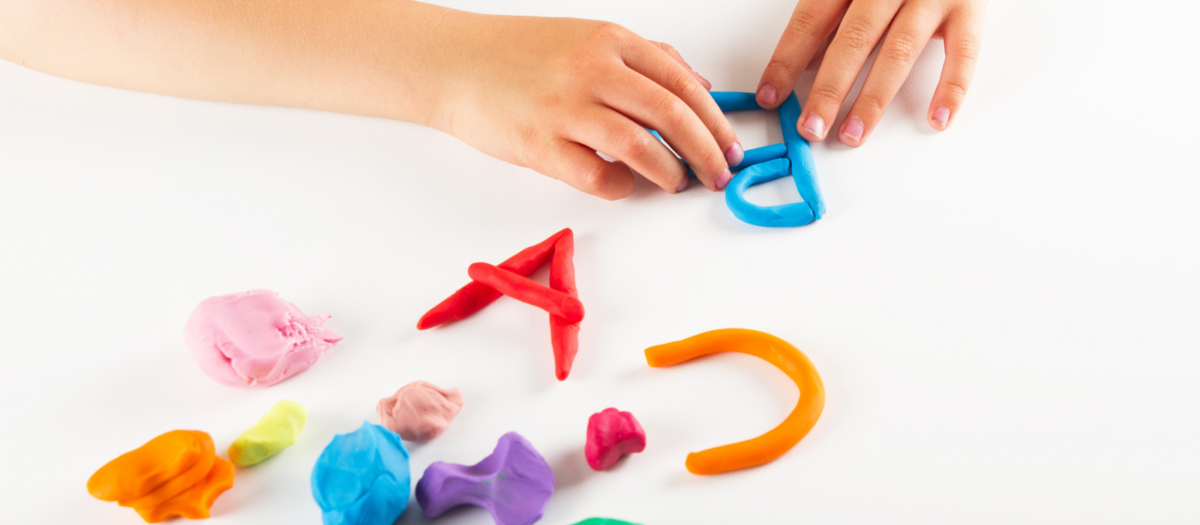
904	42
650	61
652	106
585	171
963	33
856	37
805	34
670	50
614	134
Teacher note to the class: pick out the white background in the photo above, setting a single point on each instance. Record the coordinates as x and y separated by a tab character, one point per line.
1005	315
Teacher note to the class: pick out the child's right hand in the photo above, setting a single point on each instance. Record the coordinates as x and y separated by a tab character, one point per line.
548	93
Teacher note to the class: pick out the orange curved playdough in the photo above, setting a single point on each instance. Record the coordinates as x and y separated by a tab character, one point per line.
174	474
767	447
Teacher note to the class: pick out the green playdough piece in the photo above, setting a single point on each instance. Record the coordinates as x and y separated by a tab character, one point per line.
274	432
604	521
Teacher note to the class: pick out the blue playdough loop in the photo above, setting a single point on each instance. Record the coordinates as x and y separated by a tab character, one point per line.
793	157
792	214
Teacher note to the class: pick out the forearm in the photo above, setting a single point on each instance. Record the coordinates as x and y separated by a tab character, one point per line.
365	57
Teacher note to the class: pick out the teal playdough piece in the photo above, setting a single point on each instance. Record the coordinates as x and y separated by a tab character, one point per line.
362	478
604	521
792	214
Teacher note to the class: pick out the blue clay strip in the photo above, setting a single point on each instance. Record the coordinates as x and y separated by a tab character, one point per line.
800	155
799	164
752	157
734	100
792	214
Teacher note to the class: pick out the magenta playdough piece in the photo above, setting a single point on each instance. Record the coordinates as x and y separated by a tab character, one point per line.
513	484
610	435
419	411
255	338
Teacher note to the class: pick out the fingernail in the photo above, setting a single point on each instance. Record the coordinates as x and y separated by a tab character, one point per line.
701	77
723	180
682	186
942	115
767	95
734	154
814	124
853	129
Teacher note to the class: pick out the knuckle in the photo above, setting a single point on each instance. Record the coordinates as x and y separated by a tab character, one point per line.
689	88
671	108
902	48
610	31
803	24
593	178
955	87
635	145
858	36
714	160
825	93
872	102
535	151
782	64
966	49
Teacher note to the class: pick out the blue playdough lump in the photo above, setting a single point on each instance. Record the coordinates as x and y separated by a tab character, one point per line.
362	478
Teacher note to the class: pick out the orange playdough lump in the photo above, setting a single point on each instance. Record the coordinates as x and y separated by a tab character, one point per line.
174	474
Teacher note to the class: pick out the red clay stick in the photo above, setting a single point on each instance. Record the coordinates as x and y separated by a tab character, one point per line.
474	296
525	290
564	335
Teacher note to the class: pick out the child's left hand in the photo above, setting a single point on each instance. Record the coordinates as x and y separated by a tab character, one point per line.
903	27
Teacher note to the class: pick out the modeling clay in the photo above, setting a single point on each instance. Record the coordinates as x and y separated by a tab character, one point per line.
274	432
174	474
799	154
362	478
774	350
612	434
564	335
604	521
525	290
561	299
799	164
475	296
513	484
419	411
791	214
255	338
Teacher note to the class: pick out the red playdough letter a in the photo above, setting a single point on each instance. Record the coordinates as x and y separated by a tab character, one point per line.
510	277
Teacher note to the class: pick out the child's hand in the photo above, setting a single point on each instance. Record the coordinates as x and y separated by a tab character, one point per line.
547	93
908	24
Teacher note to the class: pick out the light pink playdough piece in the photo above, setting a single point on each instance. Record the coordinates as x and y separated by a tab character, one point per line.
419	411
610	435
255	338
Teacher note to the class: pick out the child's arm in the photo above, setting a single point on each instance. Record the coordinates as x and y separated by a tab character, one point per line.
903	27
538	92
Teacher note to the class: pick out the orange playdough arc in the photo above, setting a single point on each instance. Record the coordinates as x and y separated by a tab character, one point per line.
789	359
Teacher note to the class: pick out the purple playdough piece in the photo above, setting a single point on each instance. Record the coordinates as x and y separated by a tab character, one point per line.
514	484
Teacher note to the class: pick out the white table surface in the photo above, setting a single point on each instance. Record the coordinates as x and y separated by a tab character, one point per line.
1005	315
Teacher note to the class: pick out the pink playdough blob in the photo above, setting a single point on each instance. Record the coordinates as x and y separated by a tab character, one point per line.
612	434
255	338
419	411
